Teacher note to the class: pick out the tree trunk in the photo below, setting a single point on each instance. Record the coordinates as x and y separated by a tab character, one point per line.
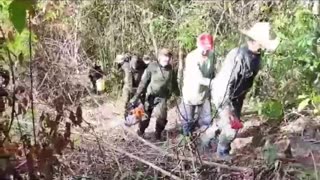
316	7
180	68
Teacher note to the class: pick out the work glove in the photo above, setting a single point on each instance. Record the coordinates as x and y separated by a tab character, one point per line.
236	123
133	100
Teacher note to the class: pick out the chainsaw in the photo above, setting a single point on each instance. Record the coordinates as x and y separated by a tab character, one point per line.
134	114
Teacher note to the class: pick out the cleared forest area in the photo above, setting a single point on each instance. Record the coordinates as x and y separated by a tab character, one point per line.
52	126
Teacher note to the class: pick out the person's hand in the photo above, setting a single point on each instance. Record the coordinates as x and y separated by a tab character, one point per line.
236	123
133	101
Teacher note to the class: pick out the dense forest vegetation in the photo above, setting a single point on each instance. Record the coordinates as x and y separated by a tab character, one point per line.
52	126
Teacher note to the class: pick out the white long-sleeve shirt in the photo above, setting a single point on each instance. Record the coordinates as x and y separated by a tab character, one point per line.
195	88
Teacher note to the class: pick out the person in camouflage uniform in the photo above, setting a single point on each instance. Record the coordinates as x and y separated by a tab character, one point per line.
133	68
156	82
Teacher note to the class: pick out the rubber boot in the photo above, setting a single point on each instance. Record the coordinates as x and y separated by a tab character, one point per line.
223	152
157	135
140	132
160	126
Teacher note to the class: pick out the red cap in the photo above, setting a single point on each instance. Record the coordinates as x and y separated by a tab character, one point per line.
205	41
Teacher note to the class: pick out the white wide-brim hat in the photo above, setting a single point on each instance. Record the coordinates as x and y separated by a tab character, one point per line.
260	32
119	58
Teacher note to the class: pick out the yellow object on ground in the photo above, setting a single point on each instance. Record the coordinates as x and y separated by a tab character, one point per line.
100	84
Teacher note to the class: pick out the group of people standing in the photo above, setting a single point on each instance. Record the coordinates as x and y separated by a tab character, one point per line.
202	85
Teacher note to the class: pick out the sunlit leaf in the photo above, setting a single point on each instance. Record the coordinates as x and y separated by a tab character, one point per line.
302	96
316	99
303	104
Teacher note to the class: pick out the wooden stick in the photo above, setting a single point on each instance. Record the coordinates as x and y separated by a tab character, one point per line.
145	162
234	168
119	150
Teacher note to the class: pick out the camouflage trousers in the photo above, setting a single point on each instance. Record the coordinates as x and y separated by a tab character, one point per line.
127	94
158	107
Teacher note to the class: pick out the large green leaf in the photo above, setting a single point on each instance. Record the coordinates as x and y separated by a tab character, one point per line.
17	13
302	96
316	99
303	104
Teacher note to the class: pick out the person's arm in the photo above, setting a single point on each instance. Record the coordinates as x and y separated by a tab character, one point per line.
127	76
209	73
145	80
222	84
235	63
192	69
171	84
202	80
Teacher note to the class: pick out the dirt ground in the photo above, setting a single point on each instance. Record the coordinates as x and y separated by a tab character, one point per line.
265	150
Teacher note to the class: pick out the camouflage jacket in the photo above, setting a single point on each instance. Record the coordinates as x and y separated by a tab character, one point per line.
156	81
132	77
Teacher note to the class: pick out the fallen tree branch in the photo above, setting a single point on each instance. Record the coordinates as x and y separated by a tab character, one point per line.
246	113
119	150
219	22
145	162
234	168
31	81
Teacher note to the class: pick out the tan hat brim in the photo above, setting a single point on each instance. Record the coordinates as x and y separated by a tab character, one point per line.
270	45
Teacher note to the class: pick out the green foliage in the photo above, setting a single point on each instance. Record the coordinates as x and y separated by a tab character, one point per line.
17	12
299	39
13	14
294	66
306	100
20	43
4	15
162	29
271	109
194	23
304	103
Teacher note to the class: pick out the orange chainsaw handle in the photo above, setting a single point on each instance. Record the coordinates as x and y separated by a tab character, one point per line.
138	112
